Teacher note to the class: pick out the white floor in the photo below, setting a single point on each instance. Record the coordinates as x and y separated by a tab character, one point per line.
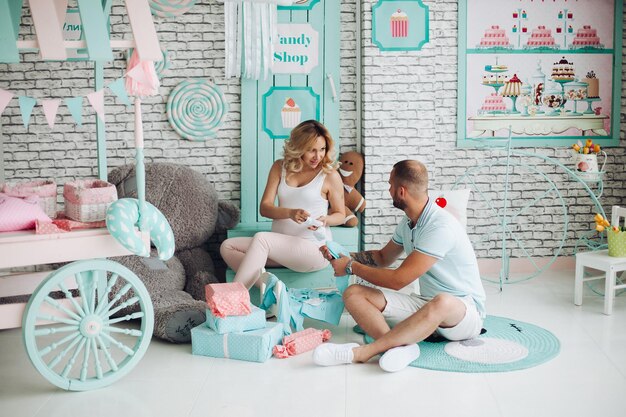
587	378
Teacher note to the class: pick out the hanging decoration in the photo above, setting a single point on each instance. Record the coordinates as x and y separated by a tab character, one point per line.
50	107
26	107
74	104
196	109
250	34
171	8
5	98
96	99
159	66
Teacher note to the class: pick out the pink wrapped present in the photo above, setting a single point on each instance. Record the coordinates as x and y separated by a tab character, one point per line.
300	342
230	299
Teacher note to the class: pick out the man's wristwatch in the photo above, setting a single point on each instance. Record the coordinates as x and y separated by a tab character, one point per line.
349	267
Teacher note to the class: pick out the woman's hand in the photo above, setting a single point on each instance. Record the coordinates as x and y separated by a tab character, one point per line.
322	220
298	215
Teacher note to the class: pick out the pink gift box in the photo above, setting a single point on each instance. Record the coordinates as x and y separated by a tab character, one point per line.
230	299
300	342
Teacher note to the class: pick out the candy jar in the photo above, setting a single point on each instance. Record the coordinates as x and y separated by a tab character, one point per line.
553	99
575	91
538	80
525	99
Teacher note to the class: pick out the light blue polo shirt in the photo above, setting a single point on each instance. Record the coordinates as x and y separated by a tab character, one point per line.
438	234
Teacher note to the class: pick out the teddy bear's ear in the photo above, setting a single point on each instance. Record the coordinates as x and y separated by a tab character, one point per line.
120	174
227	216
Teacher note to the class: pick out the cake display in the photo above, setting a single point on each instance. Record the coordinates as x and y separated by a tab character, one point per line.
563	70
586	37
399	24
493	103
513	87
290	114
593	85
495	38
541	38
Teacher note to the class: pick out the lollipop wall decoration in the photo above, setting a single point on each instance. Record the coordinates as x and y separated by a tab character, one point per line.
196	109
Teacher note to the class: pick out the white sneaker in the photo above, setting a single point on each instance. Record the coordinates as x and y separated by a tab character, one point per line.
330	354
398	358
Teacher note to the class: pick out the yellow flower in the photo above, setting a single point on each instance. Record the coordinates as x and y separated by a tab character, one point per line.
606	223
589	143
586	150
576	147
600	228
615	229
598	217
596	148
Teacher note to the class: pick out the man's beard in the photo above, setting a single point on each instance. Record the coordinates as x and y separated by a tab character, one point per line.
398	204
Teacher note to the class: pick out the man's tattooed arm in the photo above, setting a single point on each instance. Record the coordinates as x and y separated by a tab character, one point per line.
364	257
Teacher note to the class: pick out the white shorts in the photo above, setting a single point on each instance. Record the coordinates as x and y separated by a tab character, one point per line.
401	306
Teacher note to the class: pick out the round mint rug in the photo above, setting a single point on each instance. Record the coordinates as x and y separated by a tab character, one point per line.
507	345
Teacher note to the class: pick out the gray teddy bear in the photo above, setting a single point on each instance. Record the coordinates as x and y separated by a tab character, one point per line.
191	206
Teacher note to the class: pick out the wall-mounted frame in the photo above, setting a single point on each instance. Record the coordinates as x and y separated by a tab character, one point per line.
285	107
400	25
549	70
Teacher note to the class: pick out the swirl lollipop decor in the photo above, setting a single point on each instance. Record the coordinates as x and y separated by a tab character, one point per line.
170	8
196	109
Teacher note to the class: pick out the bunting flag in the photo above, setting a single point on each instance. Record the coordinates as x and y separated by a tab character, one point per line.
50	108
26	108
96	99
119	90
75	105
5	97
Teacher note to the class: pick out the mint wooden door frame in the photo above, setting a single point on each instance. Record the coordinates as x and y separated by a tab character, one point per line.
258	150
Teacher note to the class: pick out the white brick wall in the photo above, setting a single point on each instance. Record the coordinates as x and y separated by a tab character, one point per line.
409	111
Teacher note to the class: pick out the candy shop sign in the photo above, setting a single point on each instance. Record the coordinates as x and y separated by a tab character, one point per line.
296	50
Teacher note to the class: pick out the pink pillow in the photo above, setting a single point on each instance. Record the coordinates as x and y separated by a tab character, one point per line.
20	214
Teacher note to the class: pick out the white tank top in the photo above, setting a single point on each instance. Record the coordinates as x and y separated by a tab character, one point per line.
307	197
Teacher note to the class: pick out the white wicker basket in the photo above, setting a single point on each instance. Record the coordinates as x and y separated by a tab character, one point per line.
88	200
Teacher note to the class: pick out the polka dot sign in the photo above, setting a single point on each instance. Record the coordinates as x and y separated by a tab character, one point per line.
196	109
170	8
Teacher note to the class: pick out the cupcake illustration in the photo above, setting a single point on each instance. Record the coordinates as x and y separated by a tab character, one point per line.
399	24
290	114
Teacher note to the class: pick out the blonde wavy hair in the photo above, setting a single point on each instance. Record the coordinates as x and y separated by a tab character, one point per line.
303	138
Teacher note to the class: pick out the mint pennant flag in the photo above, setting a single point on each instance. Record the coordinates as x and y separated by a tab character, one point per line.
26	108
75	105
119	90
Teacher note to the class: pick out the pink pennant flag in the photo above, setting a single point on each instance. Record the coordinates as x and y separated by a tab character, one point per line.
50	108
96	99
5	97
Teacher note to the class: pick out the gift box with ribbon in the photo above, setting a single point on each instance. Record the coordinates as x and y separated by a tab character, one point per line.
253	321
230	299
253	345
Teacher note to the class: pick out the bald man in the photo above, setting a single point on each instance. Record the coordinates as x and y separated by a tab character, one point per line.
439	254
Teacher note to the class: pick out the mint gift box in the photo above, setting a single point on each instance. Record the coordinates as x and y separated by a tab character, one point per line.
253	345
229	324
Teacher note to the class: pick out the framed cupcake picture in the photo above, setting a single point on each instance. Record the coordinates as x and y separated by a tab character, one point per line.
285	107
550	72
400	25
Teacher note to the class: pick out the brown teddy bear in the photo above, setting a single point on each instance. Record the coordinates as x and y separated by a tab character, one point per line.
351	170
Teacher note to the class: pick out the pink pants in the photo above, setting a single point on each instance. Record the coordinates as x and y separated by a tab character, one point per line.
247	255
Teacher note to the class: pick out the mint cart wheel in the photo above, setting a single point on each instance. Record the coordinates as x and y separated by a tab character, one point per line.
86	338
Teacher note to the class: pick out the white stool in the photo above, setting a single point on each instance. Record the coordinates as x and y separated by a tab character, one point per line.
599	260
